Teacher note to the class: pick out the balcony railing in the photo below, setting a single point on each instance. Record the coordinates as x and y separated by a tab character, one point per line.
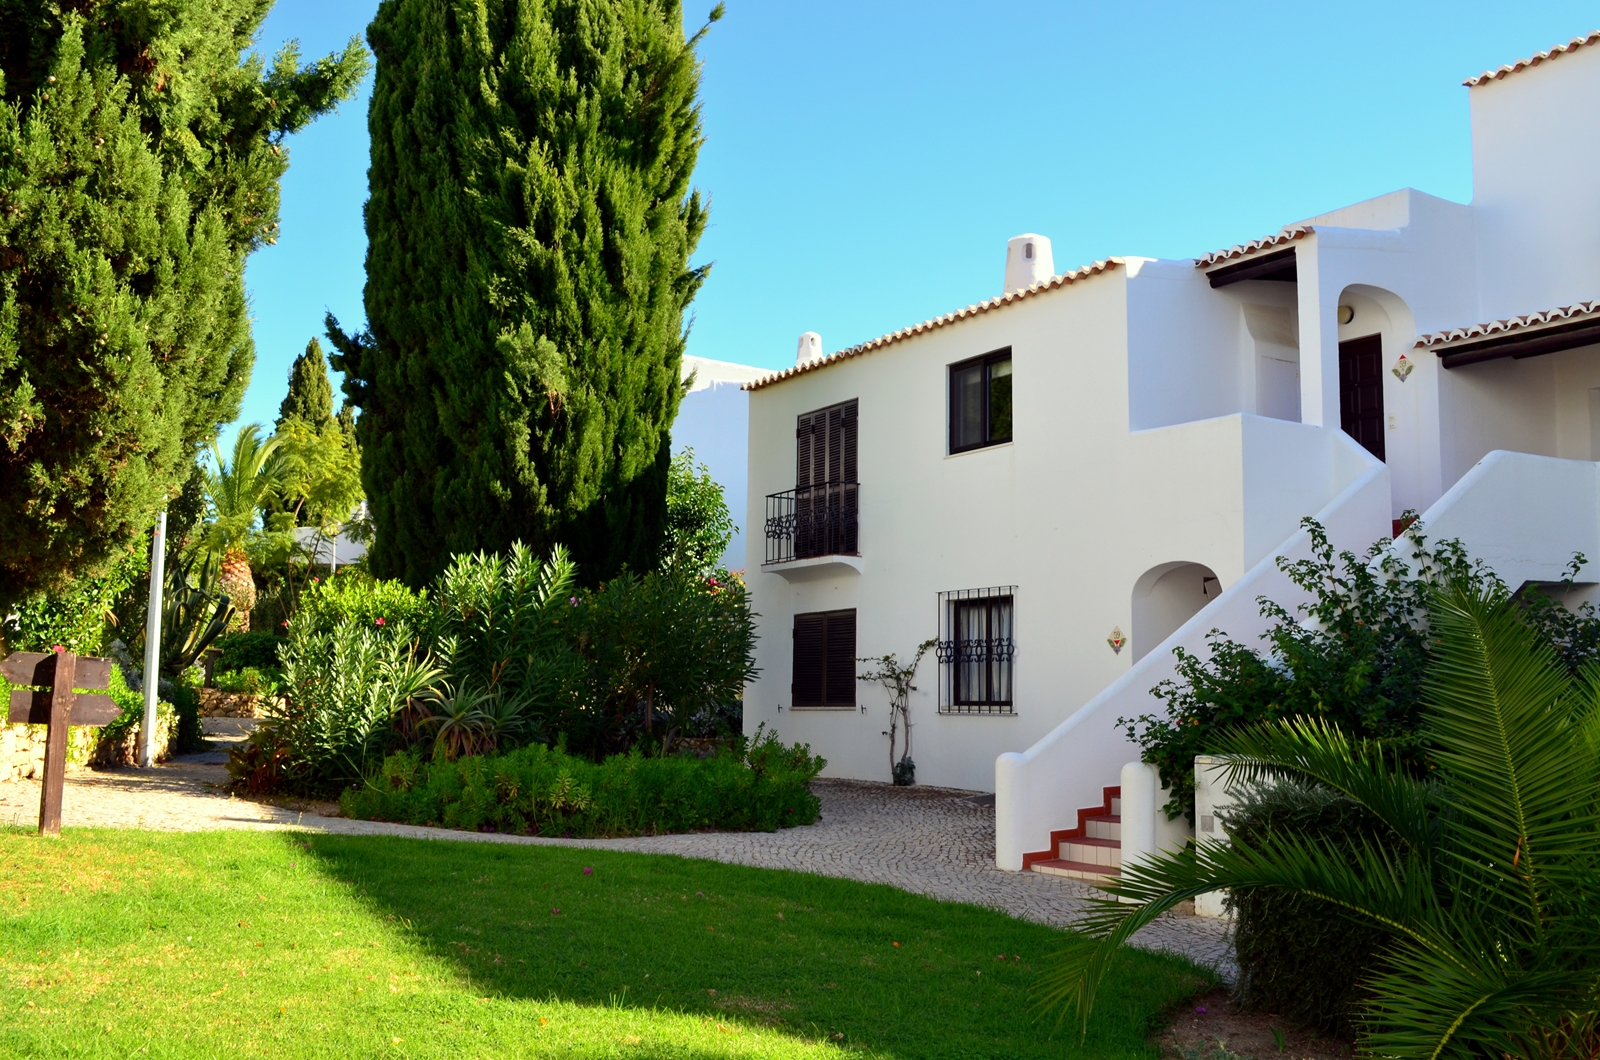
815	521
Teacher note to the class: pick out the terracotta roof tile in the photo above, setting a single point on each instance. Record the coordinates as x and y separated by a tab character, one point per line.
1522	64
1287	235
893	337
1532	320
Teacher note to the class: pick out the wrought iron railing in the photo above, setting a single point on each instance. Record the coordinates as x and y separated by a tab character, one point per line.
977	651
815	521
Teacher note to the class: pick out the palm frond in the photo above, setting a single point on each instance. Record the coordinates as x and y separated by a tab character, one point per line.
1314	749
1500	722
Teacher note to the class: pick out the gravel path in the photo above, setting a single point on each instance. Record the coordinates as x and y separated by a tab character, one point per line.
931	841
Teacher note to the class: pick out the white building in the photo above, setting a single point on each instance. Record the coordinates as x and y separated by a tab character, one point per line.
1056	481
713	420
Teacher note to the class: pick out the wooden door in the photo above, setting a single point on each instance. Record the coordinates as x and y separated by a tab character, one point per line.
1361	392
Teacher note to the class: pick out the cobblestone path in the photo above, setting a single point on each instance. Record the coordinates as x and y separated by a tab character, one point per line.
931	841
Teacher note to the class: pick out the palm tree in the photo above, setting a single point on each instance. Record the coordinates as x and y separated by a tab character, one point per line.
237	492
1490	896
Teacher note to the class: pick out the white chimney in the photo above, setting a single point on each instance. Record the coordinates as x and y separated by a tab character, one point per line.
1028	260
810	348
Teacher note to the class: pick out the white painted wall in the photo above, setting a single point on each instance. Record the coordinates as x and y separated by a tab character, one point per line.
714	421
1040	790
1535	153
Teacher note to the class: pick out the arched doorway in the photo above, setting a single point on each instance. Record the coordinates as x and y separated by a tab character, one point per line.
1164	598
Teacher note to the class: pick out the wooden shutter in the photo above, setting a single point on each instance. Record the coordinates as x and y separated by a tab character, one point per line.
835	444
810	660
841	691
803	435
847	443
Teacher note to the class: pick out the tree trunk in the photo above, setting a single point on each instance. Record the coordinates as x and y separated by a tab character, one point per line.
236	580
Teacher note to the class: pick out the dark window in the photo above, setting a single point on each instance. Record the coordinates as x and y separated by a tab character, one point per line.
977	651
1361	392
980	401
824	659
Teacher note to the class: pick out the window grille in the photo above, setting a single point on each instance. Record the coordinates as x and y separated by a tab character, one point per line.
977	651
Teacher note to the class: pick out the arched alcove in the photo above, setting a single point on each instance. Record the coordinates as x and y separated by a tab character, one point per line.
1164	598
1399	403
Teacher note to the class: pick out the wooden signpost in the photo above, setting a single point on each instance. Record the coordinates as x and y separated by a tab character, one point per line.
54	702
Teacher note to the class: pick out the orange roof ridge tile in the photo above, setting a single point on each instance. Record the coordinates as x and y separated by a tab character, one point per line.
1054	282
1492	327
1283	235
1522	64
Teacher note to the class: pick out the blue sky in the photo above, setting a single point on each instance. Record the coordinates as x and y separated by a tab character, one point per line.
867	161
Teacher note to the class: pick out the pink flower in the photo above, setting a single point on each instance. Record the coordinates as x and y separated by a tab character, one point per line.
380	621
574	601
316	581
284	623
587	871
59	649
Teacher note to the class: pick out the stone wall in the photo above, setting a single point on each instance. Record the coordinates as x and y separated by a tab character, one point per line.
215	703
22	747
22	750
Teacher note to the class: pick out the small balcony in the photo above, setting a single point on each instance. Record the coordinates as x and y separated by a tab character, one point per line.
811	526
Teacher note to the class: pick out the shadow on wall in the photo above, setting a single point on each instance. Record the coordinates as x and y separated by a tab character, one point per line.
1164	598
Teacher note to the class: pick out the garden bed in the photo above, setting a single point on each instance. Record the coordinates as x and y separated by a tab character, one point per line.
542	790
1210	1026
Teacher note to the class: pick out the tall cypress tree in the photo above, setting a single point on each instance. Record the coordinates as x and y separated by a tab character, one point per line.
140	155
310	396
529	233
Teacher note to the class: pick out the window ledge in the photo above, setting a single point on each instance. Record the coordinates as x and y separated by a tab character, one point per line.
814	567
979	449
837	710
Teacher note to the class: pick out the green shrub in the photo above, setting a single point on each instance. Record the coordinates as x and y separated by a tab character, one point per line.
675	642
508	652
354	595
249	681
1301	958
77	618
241	651
347	684
542	790
1355	658
504	628
131	700
186	703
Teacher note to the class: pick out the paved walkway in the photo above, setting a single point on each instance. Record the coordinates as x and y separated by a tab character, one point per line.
931	841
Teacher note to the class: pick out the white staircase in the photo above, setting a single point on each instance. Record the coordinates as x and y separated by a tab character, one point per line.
1092	851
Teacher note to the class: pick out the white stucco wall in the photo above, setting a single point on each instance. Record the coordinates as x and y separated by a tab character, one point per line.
1074	512
1535	153
714	421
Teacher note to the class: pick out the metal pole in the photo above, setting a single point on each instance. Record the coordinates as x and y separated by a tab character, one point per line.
152	641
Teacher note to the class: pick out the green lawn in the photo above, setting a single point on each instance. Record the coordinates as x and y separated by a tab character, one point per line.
121	943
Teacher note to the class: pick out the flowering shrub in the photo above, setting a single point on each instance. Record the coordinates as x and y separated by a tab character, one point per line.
500	652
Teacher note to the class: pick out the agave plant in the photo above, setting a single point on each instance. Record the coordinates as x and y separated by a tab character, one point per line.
466	719
1491	894
193	611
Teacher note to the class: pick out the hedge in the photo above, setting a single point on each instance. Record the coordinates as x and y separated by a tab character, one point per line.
542	790
1301	958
